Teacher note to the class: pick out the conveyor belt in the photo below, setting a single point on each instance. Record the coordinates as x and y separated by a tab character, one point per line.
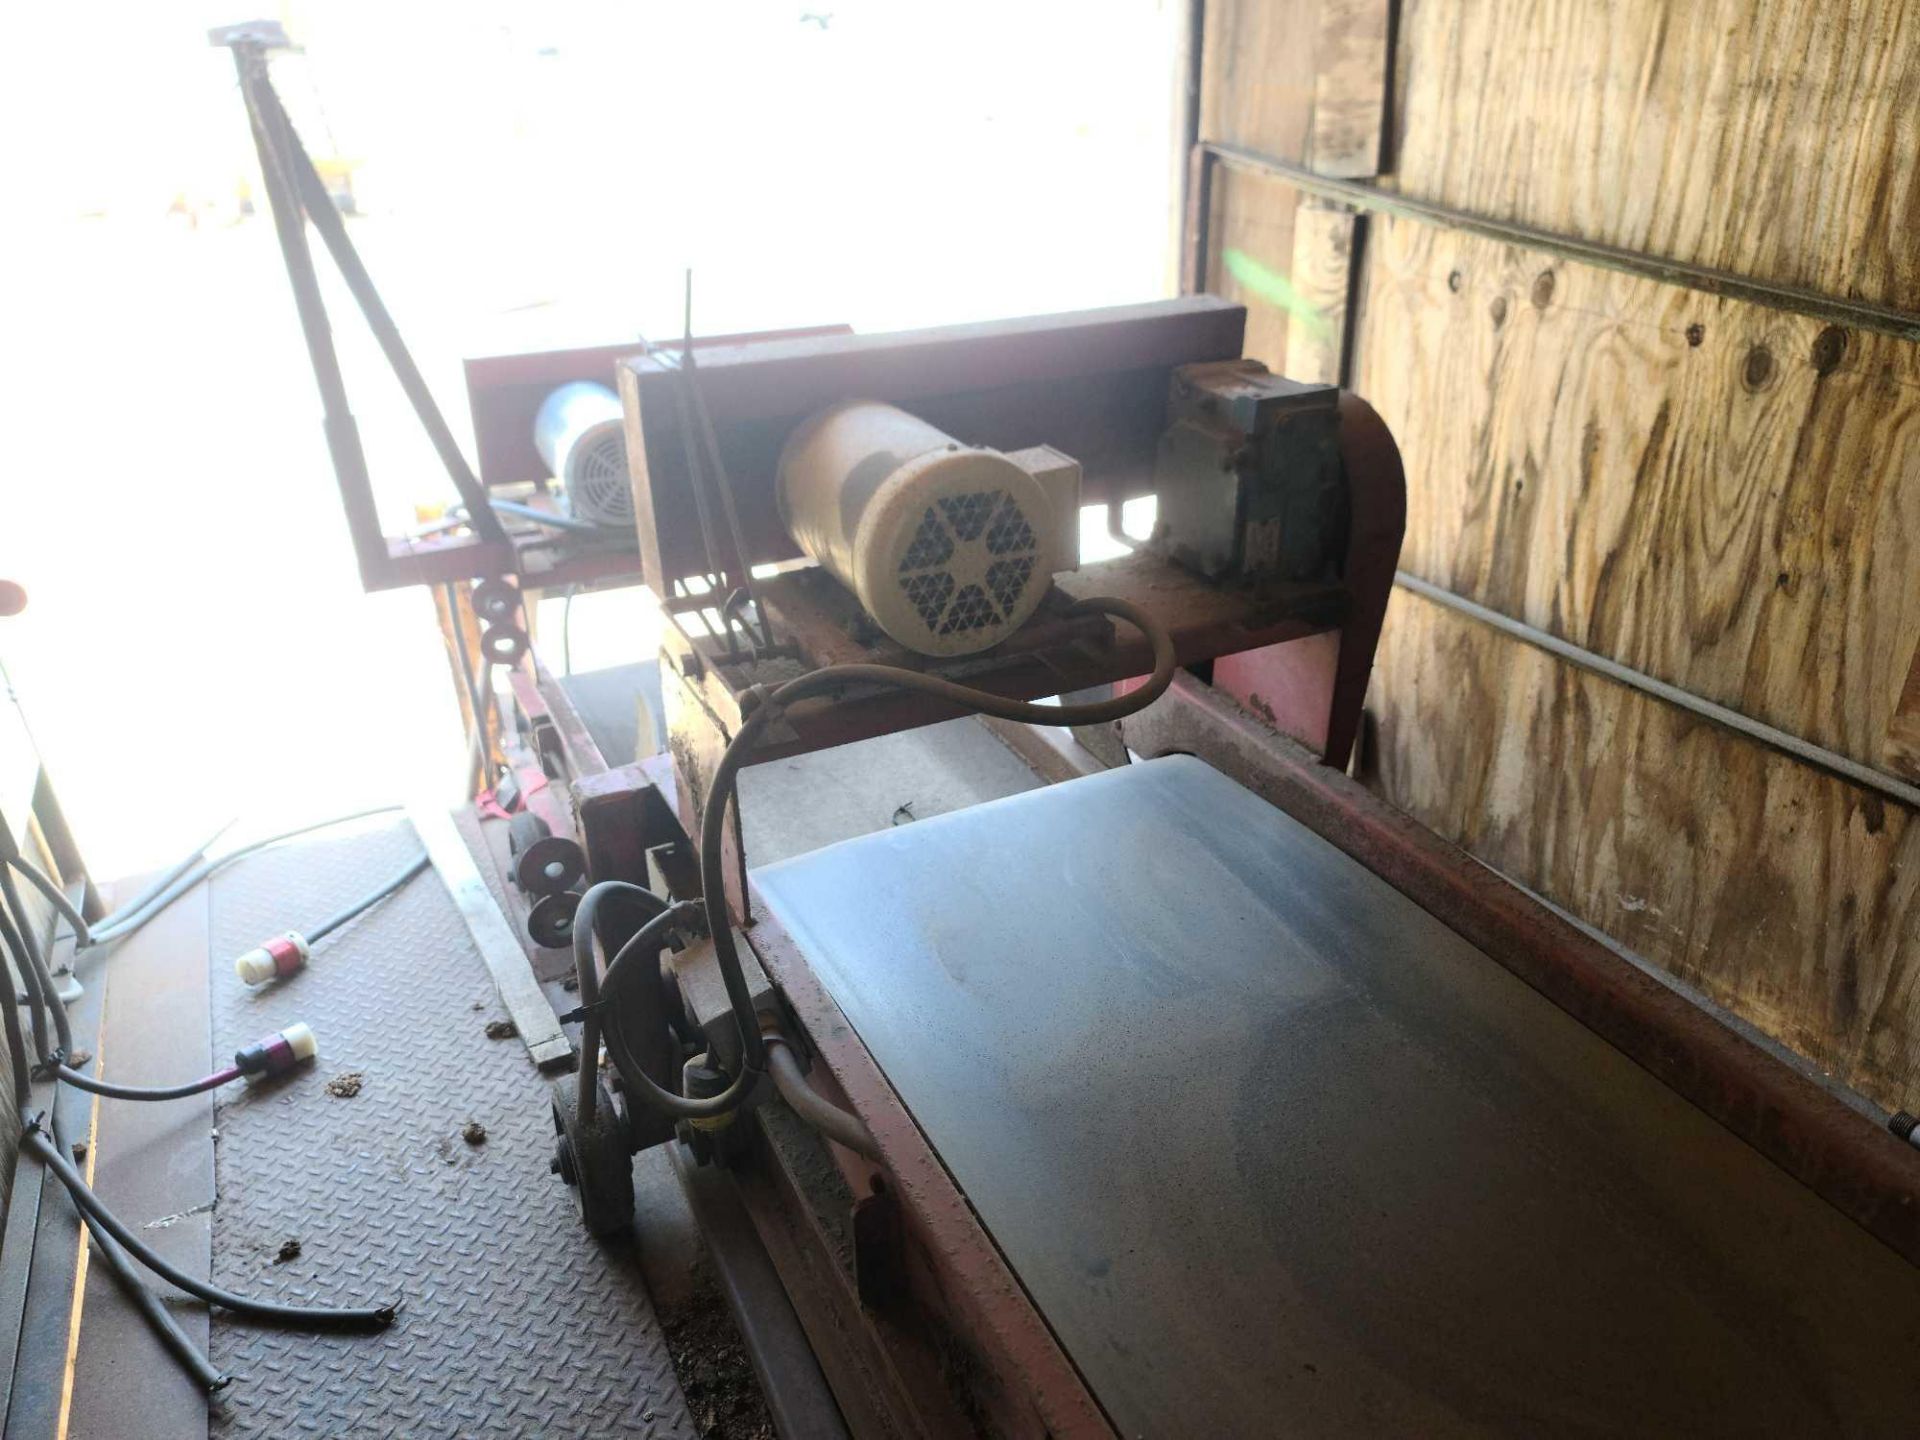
1276	1152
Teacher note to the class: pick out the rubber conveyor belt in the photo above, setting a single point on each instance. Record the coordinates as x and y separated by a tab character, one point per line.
1276	1152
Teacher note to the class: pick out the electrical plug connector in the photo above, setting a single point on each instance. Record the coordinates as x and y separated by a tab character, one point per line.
274	959
279	1052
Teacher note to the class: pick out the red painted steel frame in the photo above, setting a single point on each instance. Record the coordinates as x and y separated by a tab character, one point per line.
1314	689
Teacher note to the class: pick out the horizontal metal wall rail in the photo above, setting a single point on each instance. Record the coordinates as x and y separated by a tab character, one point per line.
1367	196
1804	750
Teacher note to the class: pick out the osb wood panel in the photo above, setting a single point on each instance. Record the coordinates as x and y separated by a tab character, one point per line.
1903	736
1777	140
1252	217
1718	494
1302	80
1789	896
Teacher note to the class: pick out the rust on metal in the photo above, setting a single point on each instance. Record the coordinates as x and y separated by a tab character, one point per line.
955	1272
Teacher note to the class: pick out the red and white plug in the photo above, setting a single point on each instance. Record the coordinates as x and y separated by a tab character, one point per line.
277	1053
274	959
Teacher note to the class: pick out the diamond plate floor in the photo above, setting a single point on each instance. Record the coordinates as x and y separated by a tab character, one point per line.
513	1322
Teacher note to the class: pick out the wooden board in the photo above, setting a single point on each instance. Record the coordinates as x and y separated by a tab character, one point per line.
1302	80
1784	894
1323	246
547	1044
1721	495
1777	141
1251	233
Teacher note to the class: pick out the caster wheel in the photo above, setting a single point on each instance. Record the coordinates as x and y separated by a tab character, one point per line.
550	922
593	1159
496	602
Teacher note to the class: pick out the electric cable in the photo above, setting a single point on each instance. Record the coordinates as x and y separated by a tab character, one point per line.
366	902
56	897
647	941
587	977
831	679
95	1086
813	1107
834	678
157	1316
39	985
124	922
35	1141
30	997
152	892
51	1155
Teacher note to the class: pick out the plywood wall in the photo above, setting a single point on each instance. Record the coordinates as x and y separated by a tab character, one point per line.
1723	494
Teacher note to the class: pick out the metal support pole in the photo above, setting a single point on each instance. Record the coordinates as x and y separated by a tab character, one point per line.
343	436
333	231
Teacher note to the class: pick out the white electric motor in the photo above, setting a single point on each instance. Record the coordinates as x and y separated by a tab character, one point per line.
948	547
580	433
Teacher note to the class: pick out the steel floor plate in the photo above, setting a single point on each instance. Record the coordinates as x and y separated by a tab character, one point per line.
1276	1152
513	1321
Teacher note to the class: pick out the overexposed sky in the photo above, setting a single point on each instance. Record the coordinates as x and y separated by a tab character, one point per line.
197	643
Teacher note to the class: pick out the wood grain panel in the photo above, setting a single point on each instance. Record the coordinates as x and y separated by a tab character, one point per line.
1303	80
1786	895
1721	495
1322	276
1903	736
1777	140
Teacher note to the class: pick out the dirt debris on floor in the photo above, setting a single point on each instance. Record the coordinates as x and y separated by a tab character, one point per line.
501	1029
346	1085
716	1376
474	1133
289	1250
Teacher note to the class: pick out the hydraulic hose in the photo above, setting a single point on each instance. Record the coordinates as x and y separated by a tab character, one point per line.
300	1316
813	1107
595	999
646	941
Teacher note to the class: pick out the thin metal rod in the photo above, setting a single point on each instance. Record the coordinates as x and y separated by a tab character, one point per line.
319	208
683	407
1804	750
343	435
1365	195
690	374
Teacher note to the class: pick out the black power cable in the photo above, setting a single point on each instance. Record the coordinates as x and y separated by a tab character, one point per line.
370	1317
366	902
123	1246
157	1316
831	679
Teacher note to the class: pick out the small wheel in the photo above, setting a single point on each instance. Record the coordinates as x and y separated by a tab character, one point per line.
502	644
549	865
550	921
593	1159
496	602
